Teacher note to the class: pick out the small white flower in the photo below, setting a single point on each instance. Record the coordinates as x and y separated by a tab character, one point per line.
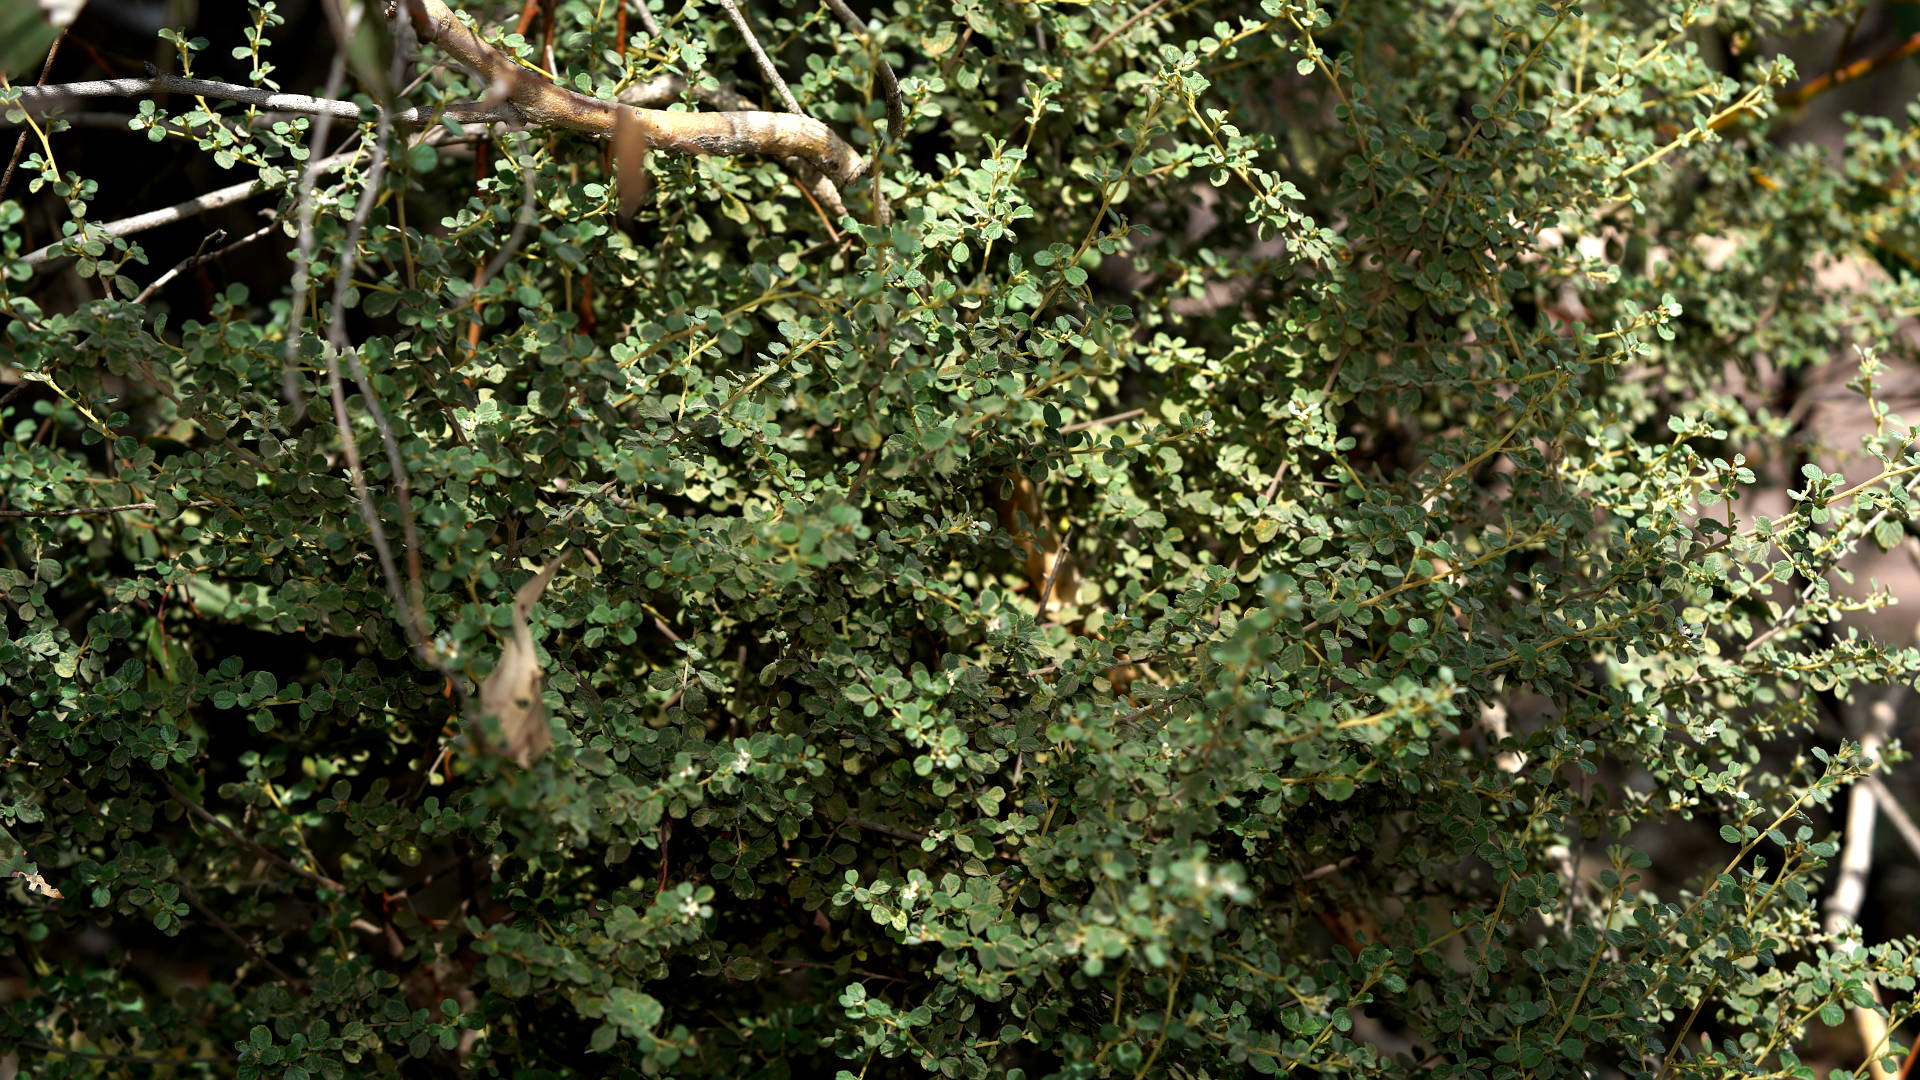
690	908
910	894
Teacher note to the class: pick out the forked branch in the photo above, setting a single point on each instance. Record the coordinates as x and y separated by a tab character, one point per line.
544	103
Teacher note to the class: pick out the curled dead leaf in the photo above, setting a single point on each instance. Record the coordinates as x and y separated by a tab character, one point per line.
37	884
512	693
630	161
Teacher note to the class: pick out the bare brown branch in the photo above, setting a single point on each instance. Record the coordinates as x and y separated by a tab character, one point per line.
409	600
233	934
668	88
546	104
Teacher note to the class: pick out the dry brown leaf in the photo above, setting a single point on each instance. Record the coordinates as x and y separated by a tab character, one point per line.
630	161
512	692
37	884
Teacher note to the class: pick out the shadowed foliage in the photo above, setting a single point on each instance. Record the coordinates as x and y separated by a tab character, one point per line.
1211	543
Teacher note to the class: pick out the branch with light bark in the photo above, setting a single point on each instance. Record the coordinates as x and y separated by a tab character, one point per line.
517	96
543	103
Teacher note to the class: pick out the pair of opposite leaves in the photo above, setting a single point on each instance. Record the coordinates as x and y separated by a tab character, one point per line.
512	693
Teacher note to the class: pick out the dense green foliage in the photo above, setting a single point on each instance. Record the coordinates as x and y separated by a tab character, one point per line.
1373	362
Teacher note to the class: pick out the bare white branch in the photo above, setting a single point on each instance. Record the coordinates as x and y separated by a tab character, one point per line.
42	100
1856	862
200	204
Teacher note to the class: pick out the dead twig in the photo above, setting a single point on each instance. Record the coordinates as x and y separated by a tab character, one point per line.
1116	418
237	837
84	511
202	258
1795	96
303	243
409	601
647	20
20	143
760	57
884	829
193	207
1856	862
226	928
889	84
1122	28
44	100
1897	815
815	965
1859	69
1324	870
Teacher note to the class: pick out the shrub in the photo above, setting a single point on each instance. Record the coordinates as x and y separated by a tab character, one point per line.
1234	564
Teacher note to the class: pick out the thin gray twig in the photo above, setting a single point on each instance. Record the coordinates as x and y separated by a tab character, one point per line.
20	143
884	829
896	107
81	511
49	99
303	245
1896	814
325	108
1116	418
521	223
646	17
227	928
1122	28
203	257
409	600
283	863
760	57
1856	863
153	219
